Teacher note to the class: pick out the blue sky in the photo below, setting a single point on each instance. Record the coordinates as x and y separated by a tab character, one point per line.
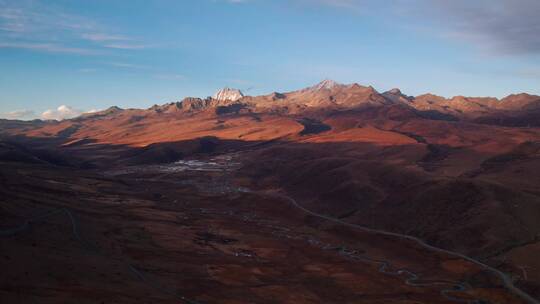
135	53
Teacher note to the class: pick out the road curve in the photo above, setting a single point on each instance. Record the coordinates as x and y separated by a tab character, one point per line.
507	282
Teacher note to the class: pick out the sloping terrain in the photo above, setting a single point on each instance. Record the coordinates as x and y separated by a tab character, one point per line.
460	174
157	236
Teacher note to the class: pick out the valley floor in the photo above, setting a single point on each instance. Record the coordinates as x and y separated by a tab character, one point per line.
189	233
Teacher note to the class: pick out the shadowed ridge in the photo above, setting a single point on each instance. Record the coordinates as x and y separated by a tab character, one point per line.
395	95
520	101
109	111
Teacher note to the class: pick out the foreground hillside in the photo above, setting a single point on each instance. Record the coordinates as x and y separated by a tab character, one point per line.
461	174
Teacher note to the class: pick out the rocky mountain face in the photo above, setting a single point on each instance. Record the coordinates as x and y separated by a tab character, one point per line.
330	96
396	96
433	167
326	84
228	94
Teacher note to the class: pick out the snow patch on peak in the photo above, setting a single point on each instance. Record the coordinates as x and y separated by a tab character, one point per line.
395	91
228	94
325	84
395	95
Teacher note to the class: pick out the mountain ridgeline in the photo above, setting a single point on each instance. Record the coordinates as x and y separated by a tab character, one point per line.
520	110
461	174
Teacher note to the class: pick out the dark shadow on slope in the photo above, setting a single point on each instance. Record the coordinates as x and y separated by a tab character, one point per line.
313	126
364	183
436	115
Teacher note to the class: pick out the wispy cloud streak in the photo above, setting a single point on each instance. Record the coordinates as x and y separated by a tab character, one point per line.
504	27
19	114
499	26
48	47
34	25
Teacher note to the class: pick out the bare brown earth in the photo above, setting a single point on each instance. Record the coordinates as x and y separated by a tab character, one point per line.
132	227
135	239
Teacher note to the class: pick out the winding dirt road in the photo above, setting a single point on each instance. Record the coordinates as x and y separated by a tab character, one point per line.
507	281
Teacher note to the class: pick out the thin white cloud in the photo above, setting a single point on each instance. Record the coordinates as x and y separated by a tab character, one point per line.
31	17
48	47
11	20
114	41
169	76
150	71
131	66
100	37
232	1
126	46
88	70
19	114
533	73
357	6
61	113
339	3
496	26
39	26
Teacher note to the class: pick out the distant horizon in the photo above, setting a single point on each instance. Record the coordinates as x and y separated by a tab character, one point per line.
59	55
73	113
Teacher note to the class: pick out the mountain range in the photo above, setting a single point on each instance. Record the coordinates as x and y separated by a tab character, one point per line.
514	110
461	173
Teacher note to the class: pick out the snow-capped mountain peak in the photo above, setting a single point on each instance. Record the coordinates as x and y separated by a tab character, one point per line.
228	94
325	84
